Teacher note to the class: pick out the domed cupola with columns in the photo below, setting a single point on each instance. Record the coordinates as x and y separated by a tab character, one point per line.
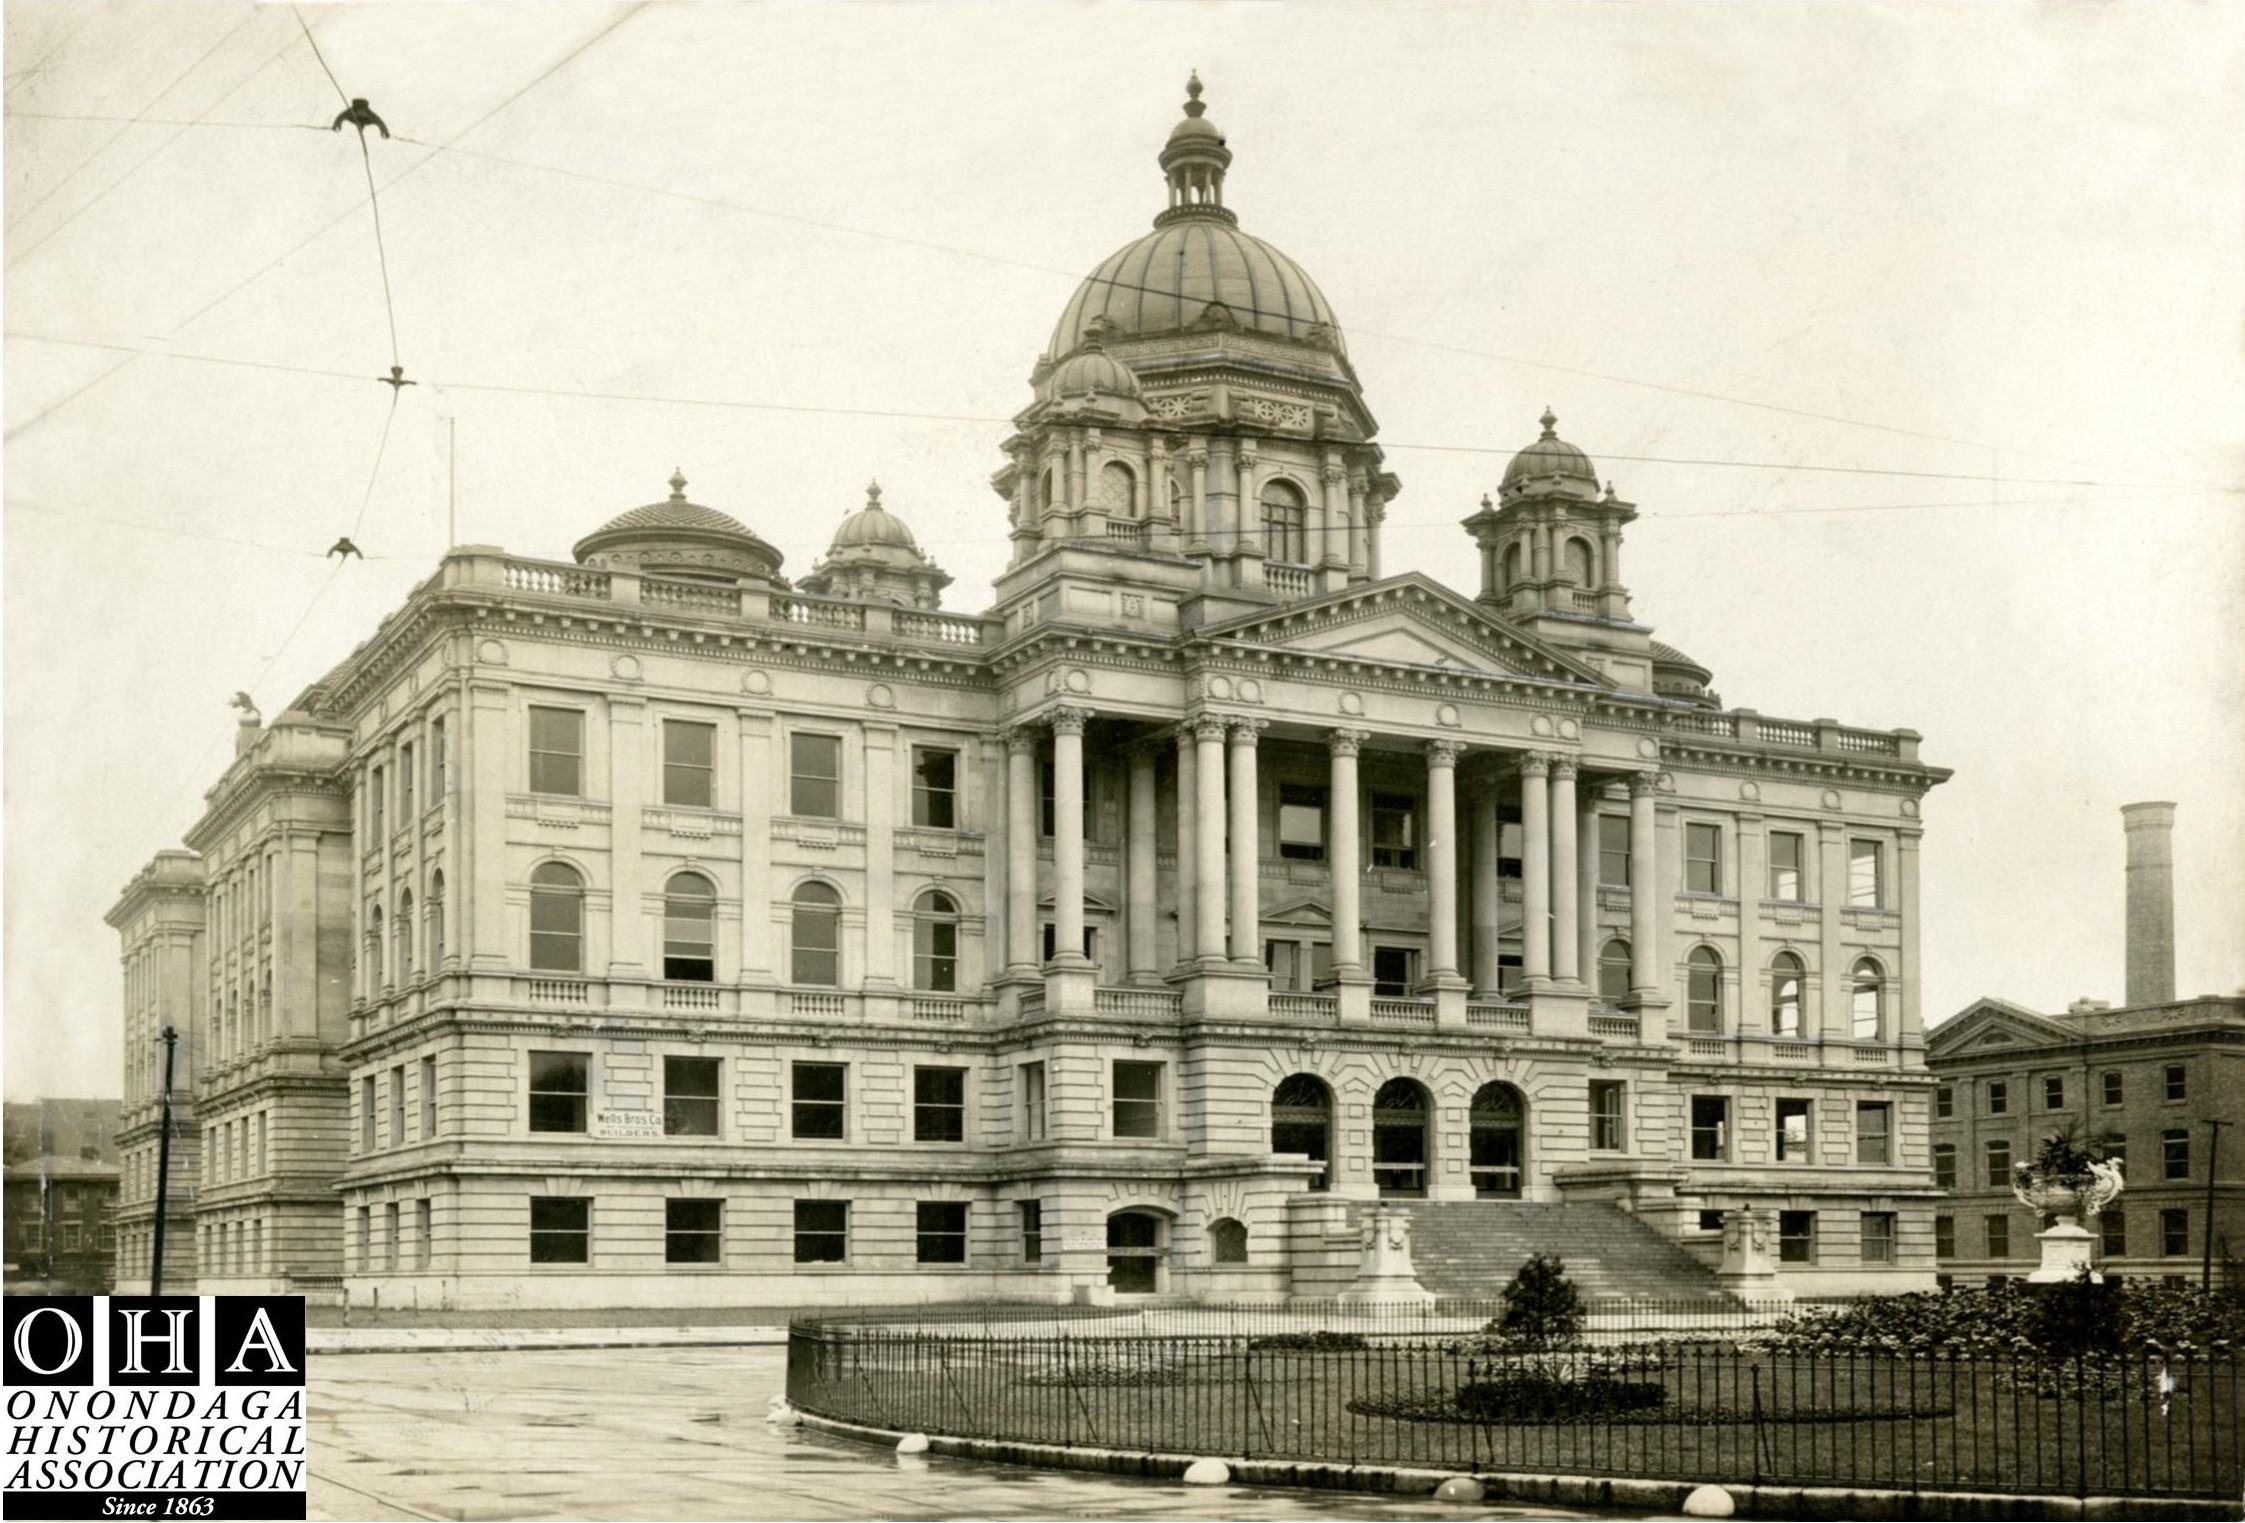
1196	414
875	559
682	541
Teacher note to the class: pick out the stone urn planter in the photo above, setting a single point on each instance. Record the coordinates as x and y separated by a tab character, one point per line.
2067	1248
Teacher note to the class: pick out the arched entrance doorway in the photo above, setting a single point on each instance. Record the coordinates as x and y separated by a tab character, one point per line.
1134	1252
1399	1139
1496	1152
1302	1122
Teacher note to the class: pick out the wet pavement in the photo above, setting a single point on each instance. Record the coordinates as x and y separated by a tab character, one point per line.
679	1433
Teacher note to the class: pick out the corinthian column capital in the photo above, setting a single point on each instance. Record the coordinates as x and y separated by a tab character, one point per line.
1536	764
1345	742
1068	721
1565	768
1643	785
1444	753
1021	740
1207	726
1245	732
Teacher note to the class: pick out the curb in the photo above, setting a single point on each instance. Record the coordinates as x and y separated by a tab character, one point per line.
1622	1493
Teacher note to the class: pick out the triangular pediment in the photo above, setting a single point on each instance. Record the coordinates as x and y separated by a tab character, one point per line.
1993	1025
1300	912
1409	620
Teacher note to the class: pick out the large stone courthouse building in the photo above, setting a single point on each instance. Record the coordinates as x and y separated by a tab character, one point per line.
649	928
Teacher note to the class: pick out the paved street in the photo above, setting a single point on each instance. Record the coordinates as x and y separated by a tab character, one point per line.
666	1433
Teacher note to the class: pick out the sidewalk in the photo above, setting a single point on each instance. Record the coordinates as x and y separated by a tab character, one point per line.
435	1340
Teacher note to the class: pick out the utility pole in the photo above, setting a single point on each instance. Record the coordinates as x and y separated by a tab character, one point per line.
163	1166
2213	1159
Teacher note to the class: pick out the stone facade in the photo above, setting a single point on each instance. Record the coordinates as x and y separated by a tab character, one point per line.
720	942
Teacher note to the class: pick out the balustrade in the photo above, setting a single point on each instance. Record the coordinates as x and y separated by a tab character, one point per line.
1137	1004
947	629
1305	1007
819	611
1500	1017
556	581
725	600
1294	581
1614	1023
1403	1012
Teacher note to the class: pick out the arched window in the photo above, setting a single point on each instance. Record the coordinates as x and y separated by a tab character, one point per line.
1613	971
377	960
1227	1240
817	953
1578	562
1496	1142
1176	498
1869	1001
1785	972
689	929
435	913
935	942
1399	1139
1118	495
404	936
1705	997
1134	1252
1302	1122
1286	523
557	918
1045	494
1513	557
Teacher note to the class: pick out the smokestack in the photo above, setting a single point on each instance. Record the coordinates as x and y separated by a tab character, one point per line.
2151	902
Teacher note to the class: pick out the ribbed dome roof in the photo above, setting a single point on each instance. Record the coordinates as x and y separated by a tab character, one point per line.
1092	372
1665	654
1166	280
676	513
1551	456
874	525
675	537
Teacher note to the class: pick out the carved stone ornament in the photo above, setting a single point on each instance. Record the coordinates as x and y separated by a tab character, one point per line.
1351	704
1831	798
1208	726
1246	732
1446	715
880	696
1345	742
1565	768
756	682
1647	747
1750	792
625	668
1569	730
1540	725
1643	783
1444	753
1068	721
1021	740
492	652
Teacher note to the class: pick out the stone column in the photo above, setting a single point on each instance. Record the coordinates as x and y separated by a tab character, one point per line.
1343	848
1336	548
1442	859
1247	854
1246	505
1068	836
1223	499
1535	865
1645	918
1360	557
1021	850
1488	974
1566	902
879	815
1196	536
1586	887
1143	903
1188	846
1375	514
1208	857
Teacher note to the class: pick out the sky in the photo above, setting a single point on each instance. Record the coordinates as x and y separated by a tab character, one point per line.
1917	333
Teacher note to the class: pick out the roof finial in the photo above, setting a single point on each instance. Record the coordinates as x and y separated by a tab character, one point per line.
677	484
1550	421
873	494
1193	107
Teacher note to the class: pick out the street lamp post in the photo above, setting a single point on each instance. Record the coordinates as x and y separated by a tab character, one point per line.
163	1166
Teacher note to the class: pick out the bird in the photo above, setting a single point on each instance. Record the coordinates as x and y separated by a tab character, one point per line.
396	380
346	549
242	701
360	115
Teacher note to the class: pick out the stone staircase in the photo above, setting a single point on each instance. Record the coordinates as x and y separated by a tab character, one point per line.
1472	1249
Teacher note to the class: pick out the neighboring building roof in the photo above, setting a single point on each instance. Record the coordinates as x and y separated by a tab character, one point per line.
1996	1026
56	1167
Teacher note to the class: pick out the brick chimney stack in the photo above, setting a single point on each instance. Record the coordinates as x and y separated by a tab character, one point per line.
2151	902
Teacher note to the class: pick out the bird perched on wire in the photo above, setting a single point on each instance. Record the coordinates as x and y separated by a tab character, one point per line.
360	115
346	549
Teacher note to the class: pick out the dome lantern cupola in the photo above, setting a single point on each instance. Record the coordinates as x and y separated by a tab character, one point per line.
875	559
1194	160
1551	542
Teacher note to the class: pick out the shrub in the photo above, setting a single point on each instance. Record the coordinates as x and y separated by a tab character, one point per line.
2014	1321
1535	1396
1307	1343
1542	1308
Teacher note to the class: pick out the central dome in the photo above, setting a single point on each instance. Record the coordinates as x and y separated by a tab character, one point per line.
1196	259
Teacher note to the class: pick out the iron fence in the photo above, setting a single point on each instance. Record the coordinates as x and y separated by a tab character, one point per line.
2140	1425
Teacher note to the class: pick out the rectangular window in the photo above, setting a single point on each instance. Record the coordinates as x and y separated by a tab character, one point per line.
1608	1132
1394	971
1874	1132
424	1233
1301	822
1999	1236
428	1098
815	776
1792	1131
1878	1237
1395	832
560	1084
1711	1126
2053	1092
822	1231
1944	1237
1944	1102
1999	1097
2174	1232
366	1239
366	1119
939	1105
1032	1231
689	764
935	788
1787	848
1703	859
820	1109
560	1230
1032	1102
1796	1237
2178	1082
942	1232
1613	851
397	1109
690	1097
1944	1165
692	1231
1999	1164
2174	1154
2113	1089
405	784
2112	1231
1866	874
557	751
1137	1102
1051	943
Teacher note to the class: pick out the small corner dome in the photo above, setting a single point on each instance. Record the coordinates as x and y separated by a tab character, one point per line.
681	539
874	525
1091	371
1550	456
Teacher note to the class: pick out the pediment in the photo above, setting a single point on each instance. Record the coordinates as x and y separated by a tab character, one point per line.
1993	1025
1407	621
1300	912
